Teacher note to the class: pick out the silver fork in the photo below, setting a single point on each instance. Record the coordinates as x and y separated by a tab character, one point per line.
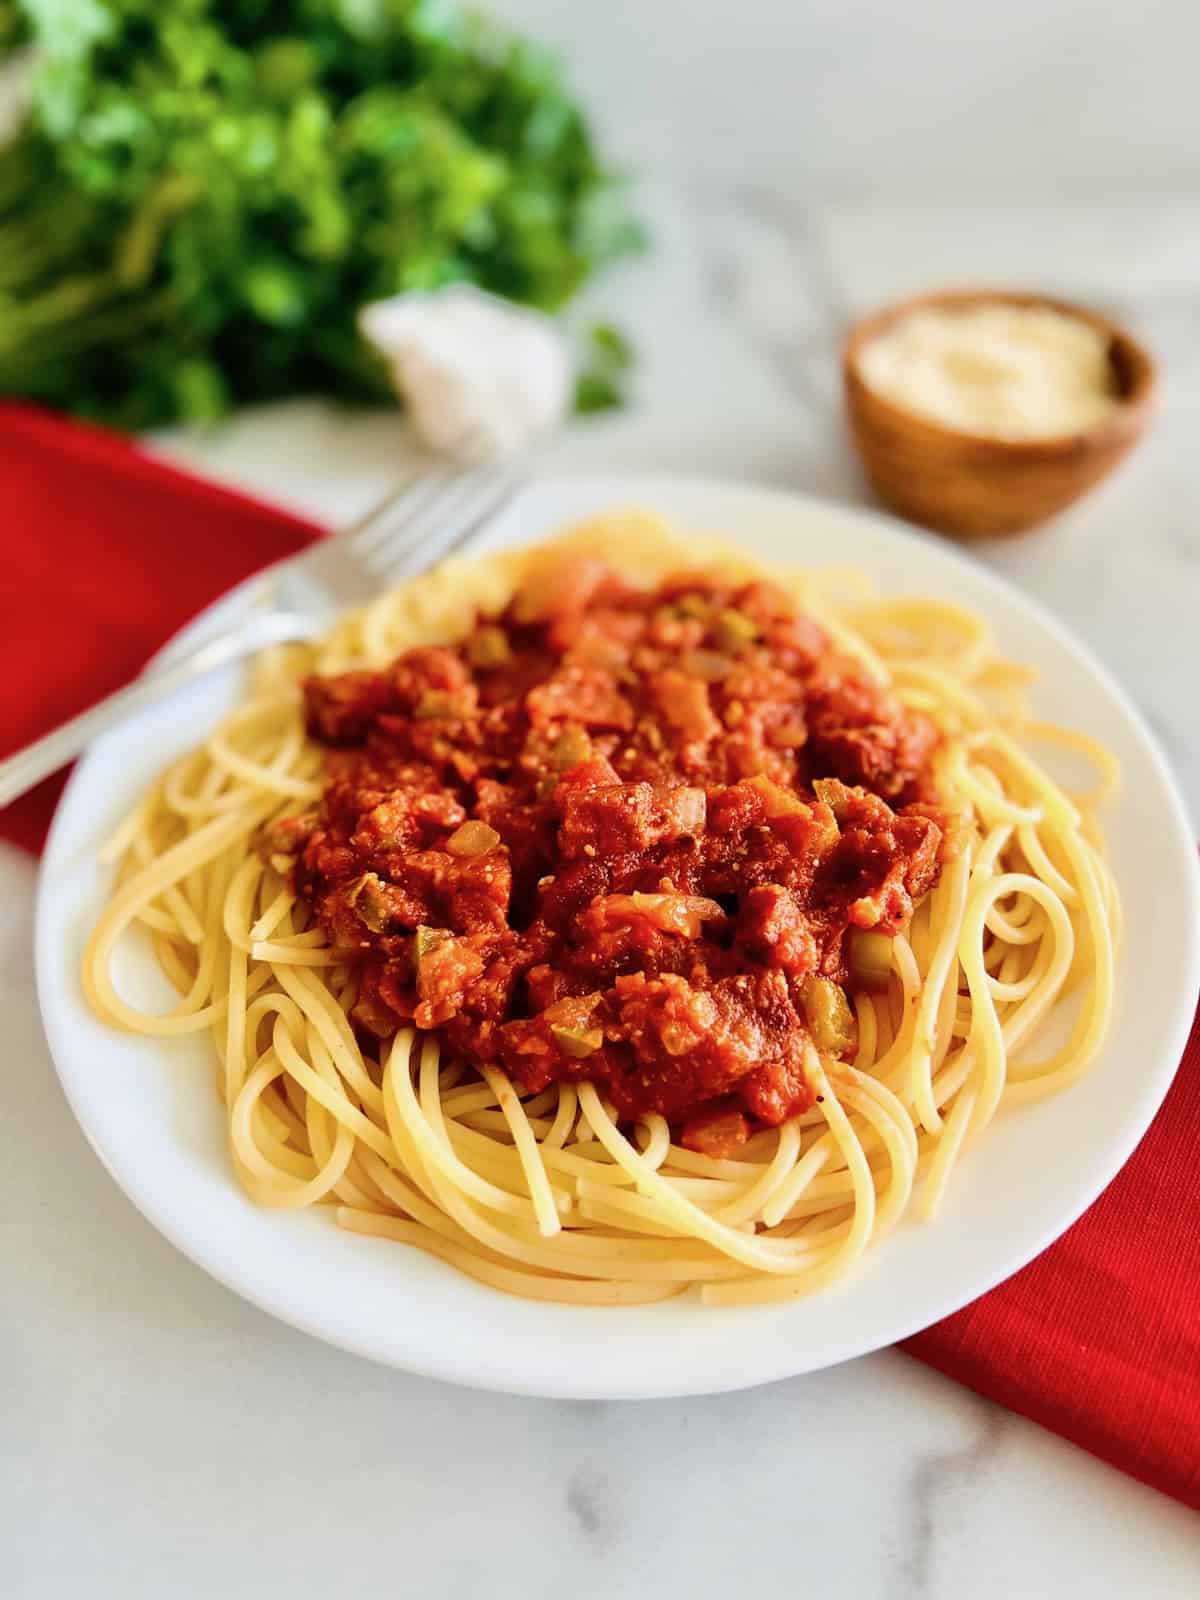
414	527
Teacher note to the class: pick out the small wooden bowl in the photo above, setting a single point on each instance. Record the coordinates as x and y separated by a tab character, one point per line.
969	484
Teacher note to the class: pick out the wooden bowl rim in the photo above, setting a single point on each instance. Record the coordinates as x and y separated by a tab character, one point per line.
1122	424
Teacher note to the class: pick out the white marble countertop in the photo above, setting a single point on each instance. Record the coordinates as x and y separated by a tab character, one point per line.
159	1437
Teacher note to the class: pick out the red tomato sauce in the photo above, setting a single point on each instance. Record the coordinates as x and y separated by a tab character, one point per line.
620	835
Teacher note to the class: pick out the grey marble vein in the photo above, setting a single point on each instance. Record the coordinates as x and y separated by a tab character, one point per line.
769	273
932	1475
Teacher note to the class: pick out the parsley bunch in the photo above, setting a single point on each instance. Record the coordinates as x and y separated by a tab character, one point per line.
206	191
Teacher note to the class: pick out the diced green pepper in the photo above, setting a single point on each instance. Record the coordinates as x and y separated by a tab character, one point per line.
434	703
368	897
425	942
733	631
570	748
830	1020
489	649
472	839
578	1042
870	959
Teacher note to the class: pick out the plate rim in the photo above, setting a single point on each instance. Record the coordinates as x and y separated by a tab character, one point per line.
500	1377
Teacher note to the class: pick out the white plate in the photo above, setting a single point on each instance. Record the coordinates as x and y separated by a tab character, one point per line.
150	1111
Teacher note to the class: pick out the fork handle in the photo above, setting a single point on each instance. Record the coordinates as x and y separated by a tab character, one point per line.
36	761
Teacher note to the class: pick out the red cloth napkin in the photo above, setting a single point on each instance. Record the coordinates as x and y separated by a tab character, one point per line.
104	553
1099	1337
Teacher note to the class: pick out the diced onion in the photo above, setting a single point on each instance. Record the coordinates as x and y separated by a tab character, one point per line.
706	664
833	793
690	809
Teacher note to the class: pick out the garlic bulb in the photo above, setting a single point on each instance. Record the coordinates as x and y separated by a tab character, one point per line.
481	377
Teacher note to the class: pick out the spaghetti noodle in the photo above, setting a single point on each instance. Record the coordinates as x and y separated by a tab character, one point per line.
550	1190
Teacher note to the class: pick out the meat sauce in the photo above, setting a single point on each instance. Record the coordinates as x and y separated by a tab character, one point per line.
620	835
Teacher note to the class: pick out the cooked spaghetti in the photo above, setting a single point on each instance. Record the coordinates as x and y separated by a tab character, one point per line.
612	916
